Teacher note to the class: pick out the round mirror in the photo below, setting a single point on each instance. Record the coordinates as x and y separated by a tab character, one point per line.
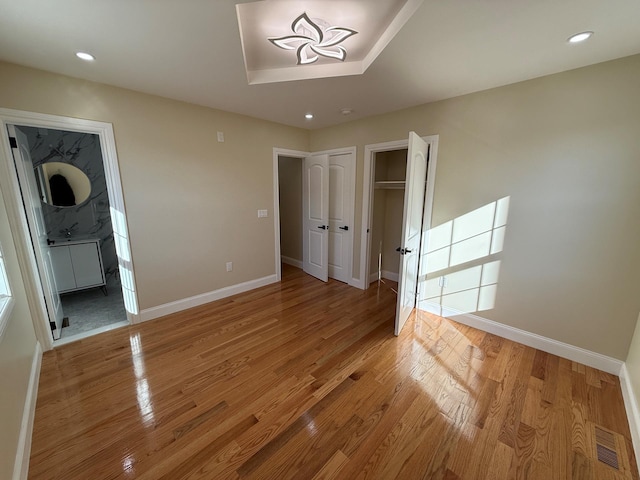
62	185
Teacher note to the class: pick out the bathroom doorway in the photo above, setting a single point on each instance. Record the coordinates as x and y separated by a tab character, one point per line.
75	206
74	173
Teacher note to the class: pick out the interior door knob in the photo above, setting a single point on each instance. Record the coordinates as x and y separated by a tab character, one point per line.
345	228
323	227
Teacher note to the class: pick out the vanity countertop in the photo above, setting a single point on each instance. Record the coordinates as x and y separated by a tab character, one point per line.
72	241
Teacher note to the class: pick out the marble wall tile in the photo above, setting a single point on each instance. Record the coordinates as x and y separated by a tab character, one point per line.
91	218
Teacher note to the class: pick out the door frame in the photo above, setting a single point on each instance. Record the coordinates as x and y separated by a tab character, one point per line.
277	152
367	197
276	198
17	218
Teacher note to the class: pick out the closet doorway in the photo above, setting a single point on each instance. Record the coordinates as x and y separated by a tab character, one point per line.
397	203
315	197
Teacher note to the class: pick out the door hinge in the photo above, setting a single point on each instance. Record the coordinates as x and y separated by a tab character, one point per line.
13	142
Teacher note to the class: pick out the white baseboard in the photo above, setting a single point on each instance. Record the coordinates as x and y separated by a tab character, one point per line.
571	352
21	464
291	261
385	274
197	300
390	275
631	406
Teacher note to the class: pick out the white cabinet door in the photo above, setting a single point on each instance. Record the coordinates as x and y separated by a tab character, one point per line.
86	264
77	265
411	228
62	268
315	220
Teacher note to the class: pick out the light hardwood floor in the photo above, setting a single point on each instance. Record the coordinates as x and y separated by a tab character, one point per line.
302	380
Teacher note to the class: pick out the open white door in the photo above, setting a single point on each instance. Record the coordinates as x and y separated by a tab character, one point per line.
411	228
37	228
315	216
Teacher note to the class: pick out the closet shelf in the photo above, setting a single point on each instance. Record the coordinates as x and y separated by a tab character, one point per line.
390	184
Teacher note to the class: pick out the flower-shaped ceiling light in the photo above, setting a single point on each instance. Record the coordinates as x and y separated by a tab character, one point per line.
313	39
320	47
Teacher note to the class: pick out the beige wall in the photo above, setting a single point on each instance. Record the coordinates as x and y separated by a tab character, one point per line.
566	149
290	184
17	347
393	211
191	202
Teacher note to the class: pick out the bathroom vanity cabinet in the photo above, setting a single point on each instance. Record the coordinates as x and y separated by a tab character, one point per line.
77	265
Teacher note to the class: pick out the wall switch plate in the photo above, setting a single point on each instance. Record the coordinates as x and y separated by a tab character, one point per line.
229	266
221	137
263	213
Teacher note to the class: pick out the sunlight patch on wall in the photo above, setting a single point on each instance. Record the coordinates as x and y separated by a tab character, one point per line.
120	237
465	291
471	237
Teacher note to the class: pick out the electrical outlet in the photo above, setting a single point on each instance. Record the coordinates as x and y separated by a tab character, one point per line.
221	137
229	266
263	213
442	282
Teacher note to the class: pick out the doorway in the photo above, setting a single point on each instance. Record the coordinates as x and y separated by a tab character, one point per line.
385	165
387	206
74	205
330	187
89	241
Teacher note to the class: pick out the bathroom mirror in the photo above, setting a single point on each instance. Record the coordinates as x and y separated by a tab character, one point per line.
62	185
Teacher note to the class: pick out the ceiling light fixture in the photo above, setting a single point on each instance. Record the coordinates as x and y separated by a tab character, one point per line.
85	56
309	116
330	38
579	37
346	111
313	39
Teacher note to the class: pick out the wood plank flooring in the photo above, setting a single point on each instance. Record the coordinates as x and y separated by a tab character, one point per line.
304	380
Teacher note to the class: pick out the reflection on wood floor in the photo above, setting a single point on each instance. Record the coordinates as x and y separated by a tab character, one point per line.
305	380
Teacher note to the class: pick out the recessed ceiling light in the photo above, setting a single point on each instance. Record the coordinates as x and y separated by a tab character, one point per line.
85	56
579	37
309	116
346	111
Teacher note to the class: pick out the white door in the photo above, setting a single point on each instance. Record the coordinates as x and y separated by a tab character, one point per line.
37	228
315	216
411	228
341	204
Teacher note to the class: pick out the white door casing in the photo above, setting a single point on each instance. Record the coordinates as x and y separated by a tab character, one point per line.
37	228
414	195
315	216
341	206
